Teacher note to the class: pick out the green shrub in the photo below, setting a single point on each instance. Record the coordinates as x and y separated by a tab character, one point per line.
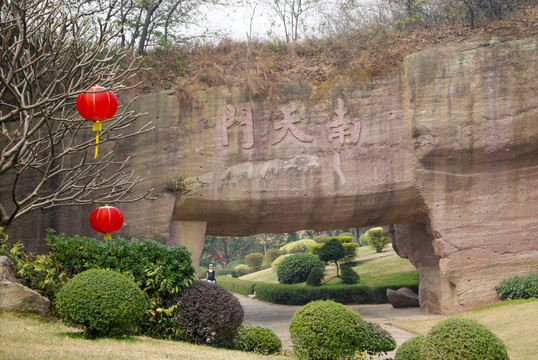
271	255
245	287
207	313
458	338
296	268
518	287
321	239
363	241
315	277
294	247
257	339
350	251
103	302
377	340
241	270
377	238
332	251
278	260
254	261
229	268
349	276
326	330
410	349
344	238
314	248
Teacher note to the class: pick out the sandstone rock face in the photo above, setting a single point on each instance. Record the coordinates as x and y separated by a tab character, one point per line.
403	297
17	297
444	146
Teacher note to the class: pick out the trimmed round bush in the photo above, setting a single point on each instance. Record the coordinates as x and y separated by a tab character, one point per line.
258	339
271	255
207	313
294	247
321	239
315	277
278	260
296	268
326	330
458	338
377	340
241	270
377	238
103	302
332	251
363	241
233	264
410	349
349	276
254	261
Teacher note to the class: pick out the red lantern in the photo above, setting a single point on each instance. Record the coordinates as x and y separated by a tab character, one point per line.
106	219
97	105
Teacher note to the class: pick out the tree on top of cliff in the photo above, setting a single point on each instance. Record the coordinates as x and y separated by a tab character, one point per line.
49	55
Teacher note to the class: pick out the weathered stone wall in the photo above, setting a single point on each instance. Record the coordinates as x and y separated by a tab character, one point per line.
447	148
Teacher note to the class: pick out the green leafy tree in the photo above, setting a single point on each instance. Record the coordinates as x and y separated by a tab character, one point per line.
332	251
377	238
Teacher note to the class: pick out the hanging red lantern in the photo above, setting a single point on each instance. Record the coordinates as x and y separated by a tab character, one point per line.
97	105
106	219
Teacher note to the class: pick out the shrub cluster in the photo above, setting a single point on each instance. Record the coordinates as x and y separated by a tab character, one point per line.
326	330
377	340
410	349
257	339
458	338
349	276
518	287
254	261
103	302
208	314
241	270
296	268
270	256
294	247
321	239
315	277
245	287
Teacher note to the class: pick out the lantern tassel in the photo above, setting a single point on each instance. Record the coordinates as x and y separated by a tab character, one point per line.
107	236
96	145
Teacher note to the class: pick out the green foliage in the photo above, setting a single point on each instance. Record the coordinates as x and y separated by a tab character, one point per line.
254	261
257	339
296	268
377	340
377	238
315	277
229	268
410	349
349	276
208	314
350	251
458	338
160	270
271	255
344	238
241	270
104	302
294	247
332	251
314	248
245	287
326	330
278	260
183	186
321	239
363	241
518	287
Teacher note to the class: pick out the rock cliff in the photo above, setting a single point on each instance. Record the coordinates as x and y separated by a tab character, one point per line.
445	146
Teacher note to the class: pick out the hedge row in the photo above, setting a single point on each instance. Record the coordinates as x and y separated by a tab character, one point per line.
301	295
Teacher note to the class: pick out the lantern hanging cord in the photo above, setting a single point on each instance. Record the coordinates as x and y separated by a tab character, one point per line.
97	125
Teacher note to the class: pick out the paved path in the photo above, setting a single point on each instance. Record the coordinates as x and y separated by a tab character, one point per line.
277	318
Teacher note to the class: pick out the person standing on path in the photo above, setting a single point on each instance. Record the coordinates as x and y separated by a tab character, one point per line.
211	274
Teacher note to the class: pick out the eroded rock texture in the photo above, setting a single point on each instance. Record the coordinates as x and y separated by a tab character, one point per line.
444	145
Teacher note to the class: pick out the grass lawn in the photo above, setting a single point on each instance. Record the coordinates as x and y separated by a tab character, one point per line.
25	336
382	271
514	322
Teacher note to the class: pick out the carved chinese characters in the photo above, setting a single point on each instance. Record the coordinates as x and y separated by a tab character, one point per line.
345	130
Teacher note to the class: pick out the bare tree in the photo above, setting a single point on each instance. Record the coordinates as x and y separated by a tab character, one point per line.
49	55
291	14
